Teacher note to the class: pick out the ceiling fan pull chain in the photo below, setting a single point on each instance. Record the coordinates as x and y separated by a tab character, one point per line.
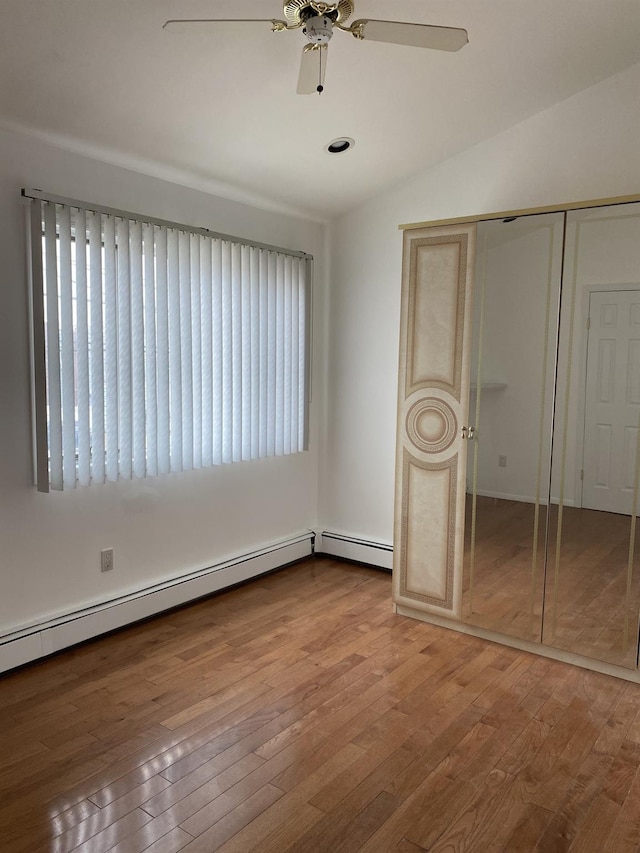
320	88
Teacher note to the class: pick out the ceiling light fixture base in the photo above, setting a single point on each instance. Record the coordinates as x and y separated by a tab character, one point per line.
340	145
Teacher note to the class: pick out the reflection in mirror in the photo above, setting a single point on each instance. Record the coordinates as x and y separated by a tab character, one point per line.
592	595
517	284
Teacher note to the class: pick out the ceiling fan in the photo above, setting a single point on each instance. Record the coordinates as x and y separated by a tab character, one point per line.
318	21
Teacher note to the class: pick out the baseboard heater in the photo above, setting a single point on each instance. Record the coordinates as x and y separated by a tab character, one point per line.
47	637
378	554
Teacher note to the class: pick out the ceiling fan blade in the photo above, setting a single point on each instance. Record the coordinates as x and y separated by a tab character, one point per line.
313	66
204	24
414	35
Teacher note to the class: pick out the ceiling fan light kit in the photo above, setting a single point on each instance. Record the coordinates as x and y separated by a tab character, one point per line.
319	20
318	29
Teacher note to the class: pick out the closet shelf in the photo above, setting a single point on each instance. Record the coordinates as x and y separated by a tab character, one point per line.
489	386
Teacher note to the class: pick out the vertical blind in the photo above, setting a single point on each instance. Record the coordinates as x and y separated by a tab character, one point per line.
158	348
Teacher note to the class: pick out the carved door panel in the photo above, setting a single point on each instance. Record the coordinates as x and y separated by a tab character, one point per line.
432	412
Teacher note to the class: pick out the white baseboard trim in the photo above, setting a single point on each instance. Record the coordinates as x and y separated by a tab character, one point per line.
378	554
50	636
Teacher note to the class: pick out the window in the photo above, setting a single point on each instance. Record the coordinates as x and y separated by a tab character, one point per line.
160	348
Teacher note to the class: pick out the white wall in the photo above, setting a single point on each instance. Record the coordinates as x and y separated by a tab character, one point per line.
159	528
585	148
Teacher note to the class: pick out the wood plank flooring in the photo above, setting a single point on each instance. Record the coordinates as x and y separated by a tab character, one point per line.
299	713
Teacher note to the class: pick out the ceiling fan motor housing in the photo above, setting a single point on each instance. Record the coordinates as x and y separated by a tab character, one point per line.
297	12
318	29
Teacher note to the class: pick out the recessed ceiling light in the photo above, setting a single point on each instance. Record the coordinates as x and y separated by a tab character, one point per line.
339	146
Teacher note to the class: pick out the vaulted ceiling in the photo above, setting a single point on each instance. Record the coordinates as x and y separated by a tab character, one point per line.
221	106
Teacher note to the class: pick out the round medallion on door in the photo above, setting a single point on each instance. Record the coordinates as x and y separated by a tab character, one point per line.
431	425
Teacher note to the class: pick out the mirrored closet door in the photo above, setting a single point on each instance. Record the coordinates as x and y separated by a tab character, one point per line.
592	590
513	359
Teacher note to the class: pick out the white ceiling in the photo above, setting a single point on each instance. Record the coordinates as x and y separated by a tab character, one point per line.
221	108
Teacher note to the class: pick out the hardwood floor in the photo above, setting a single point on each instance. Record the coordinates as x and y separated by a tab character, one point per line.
298	713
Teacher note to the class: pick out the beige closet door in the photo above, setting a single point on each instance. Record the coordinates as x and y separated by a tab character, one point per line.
432	418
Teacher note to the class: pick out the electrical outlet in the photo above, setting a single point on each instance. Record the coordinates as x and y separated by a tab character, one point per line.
502	461
106	560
